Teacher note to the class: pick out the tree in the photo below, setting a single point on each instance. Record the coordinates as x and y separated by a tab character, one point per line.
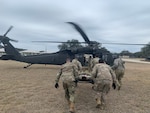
137	54
126	53
104	50
70	44
146	50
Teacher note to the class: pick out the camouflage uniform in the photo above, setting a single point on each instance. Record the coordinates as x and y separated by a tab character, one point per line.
103	77
94	61
119	69
78	64
90	64
68	74
78	67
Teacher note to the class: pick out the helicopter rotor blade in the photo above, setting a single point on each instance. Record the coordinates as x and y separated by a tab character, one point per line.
80	31
123	44
55	42
85	43
13	40
8	31
49	42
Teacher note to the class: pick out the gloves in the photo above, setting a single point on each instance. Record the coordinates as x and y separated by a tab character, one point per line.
114	85
56	85
76	81
91	81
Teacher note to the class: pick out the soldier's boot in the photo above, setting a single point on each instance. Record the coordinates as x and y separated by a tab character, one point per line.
98	102
103	105
68	102
72	109
119	87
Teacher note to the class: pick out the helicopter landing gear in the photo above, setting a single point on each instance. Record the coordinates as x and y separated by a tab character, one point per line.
27	66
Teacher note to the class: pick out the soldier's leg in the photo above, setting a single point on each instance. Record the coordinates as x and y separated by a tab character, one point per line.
98	100
98	89
71	89
120	78
120	83
65	86
105	90
102	101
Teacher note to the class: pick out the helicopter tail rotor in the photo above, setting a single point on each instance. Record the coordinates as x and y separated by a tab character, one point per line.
4	37
13	40
8	30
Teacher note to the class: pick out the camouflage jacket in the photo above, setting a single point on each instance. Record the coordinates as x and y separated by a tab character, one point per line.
68	72
78	64
94	61
103	71
118	64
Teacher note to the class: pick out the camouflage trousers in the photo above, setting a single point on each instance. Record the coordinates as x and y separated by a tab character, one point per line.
102	87
119	75
69	88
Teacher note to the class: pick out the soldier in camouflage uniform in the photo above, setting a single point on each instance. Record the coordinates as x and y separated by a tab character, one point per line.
119	69
68	73
78	64
90	63
95	61
103	77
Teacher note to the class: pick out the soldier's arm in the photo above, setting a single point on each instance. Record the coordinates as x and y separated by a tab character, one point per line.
58	75
115	65
123	62
94	72
113	75
75	71
92	63
80	66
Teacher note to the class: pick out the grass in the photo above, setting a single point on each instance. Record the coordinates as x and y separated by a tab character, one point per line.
32	91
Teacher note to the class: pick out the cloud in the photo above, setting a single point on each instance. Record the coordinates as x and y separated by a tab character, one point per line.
103	21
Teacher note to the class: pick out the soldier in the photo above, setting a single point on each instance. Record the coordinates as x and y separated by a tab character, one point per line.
95	61
103	77
90	63
77	63
119	69
69	74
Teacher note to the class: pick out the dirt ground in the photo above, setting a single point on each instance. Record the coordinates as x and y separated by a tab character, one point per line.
32	91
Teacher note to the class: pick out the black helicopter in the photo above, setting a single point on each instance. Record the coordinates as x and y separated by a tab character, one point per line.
56	58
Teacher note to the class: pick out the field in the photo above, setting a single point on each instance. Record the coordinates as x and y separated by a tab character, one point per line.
32	90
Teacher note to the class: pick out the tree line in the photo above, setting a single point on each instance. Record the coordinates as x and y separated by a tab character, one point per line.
143	53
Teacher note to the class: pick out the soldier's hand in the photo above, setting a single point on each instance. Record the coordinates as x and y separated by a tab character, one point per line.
114	85
91	81
76	81
56	85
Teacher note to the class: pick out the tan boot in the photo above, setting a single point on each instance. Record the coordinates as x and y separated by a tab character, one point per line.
68	102
72	110
98	101
103	106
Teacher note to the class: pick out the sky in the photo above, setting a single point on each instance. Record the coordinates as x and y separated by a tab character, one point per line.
104	21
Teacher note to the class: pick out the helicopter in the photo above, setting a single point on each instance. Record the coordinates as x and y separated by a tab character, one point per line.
56	58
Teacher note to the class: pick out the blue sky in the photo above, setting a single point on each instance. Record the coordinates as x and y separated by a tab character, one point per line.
125	21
